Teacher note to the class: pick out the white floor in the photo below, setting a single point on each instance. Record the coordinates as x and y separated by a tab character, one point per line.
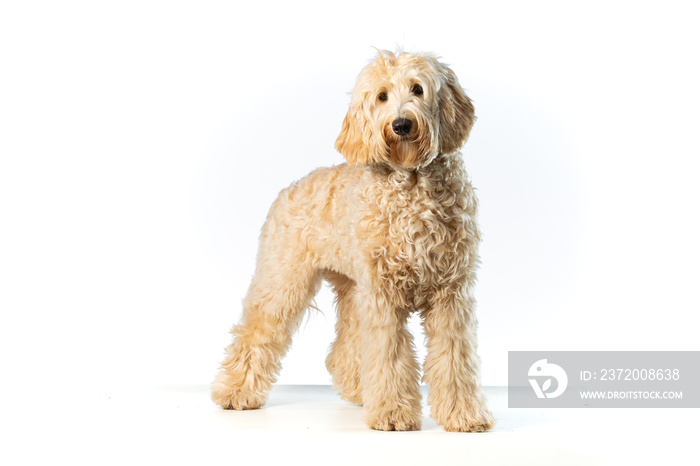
311	425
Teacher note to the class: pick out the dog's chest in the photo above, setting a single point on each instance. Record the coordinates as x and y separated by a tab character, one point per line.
421	232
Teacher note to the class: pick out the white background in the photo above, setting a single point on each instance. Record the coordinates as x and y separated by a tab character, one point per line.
141	144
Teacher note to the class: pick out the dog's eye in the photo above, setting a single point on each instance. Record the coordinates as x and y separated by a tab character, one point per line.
417	89
382	96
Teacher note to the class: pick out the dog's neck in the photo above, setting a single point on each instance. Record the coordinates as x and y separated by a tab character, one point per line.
438	163
438	170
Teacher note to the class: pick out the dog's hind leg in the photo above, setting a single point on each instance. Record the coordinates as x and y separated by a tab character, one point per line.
284	284
343	361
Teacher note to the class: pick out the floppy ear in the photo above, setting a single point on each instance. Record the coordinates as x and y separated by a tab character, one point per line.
456	113
350	141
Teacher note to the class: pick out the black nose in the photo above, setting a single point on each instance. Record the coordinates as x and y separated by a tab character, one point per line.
402	126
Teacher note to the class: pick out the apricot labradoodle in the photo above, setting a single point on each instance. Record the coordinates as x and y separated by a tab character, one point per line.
393	231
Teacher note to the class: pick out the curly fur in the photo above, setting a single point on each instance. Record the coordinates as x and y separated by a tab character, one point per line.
393	231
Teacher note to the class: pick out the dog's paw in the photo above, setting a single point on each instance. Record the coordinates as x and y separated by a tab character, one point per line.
395	419
232	396
352	396
477	426
467	419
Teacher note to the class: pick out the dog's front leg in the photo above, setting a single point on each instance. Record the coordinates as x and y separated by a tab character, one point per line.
452	365
389	372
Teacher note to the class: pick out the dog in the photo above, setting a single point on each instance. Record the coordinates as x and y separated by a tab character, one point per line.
393	231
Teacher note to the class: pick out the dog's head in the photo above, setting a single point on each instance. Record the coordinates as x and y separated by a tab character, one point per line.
405	110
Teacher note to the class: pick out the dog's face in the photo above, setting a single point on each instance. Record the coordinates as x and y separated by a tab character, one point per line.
405	110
